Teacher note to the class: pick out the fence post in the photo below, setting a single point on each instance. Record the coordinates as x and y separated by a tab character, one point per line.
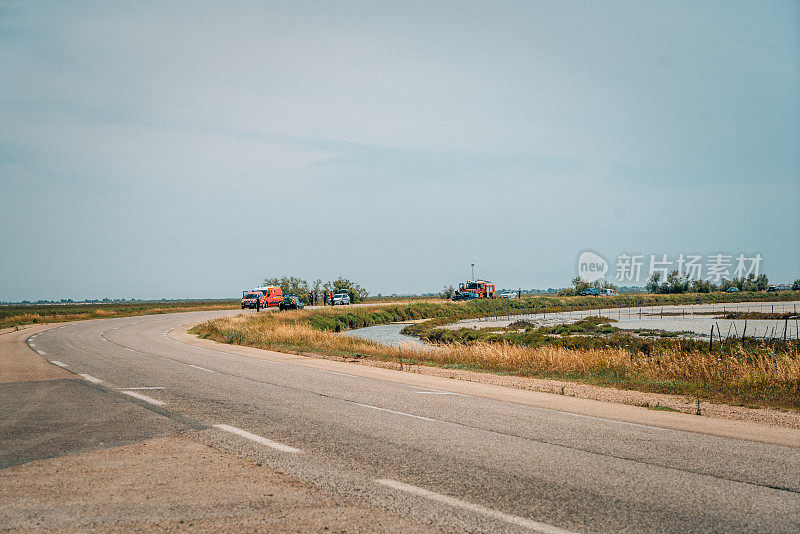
711	339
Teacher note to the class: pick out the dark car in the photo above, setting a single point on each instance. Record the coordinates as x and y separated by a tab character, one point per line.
291	302
733	290
464	295
590	291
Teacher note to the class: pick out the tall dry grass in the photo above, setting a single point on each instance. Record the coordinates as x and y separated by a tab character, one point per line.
747	376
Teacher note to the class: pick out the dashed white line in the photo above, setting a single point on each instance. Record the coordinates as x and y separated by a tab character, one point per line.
394	412
58	363
258	439
201	368
337	373
432	391
147	387
441	393
90	378
524	522
145	398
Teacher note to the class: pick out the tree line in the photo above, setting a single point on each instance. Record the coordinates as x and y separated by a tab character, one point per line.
293	285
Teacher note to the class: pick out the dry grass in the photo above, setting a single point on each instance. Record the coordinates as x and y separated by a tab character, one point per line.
741	376
19	315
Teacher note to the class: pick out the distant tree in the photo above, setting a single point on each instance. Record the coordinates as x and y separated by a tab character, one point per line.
290	285
355	291
762	282
702	286
677	282
654	282
447	292
316	286
796	285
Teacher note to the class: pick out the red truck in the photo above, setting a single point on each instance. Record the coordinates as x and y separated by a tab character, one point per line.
482	289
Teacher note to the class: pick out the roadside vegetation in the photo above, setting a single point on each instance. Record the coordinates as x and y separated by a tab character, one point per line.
755	373
293	285
677	282
15	315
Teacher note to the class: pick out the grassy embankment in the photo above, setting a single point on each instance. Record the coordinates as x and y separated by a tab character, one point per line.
758	374
55	313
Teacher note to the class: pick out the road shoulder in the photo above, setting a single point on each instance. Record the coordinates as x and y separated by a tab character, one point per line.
20	362
175	483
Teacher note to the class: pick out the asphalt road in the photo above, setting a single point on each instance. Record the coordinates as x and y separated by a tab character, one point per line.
453	461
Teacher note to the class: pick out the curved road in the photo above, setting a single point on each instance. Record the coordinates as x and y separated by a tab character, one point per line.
427	452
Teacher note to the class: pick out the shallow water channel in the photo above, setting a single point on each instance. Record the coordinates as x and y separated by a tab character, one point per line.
690	318
387	334
627	318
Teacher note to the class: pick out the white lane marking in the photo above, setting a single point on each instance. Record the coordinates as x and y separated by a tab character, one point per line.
336	373
43	353
148	387
90	378
604	420
258	439
145	398
395	412
31	345
201	368
441	393
58	363
426	389
524	522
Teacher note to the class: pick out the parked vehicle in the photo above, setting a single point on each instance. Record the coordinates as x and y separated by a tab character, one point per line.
341	298
733	290
270	295
780	287
590	291
507	294
482	289
609	292
291	302
463	295
251	299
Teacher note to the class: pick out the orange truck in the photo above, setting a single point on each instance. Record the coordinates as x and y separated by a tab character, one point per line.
262	297
482	289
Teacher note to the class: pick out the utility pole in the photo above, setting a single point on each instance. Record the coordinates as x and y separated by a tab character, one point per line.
473	271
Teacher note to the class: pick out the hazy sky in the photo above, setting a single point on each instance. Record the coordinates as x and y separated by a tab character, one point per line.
191	149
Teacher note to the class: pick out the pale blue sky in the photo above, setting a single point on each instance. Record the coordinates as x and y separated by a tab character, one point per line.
191	149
